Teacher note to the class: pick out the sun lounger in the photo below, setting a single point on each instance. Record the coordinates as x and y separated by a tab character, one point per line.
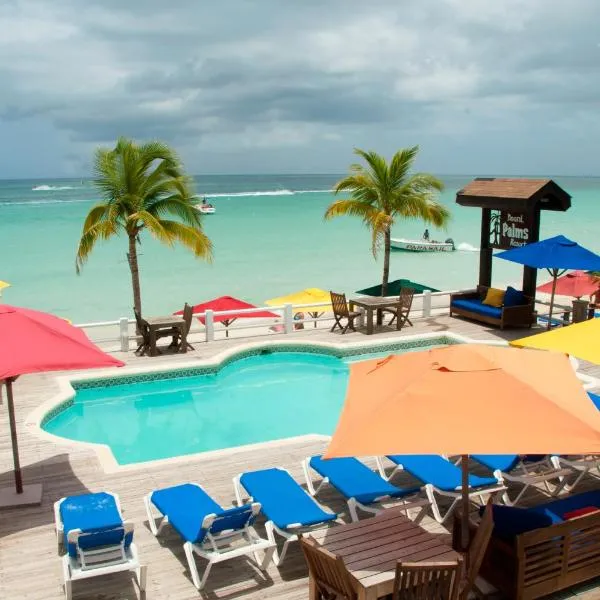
362	487
212	532
527	471
96	539
289	509
581	465
441	477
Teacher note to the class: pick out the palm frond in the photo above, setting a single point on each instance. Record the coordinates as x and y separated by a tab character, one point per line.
190	237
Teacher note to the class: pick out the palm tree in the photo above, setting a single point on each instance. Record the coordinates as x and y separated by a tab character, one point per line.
141	186
381	192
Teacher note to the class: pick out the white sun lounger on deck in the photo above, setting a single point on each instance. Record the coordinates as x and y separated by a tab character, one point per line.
443	478
97	541
362	487
289	509
526	471
207	529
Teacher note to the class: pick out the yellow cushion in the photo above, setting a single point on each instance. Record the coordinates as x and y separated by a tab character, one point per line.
494	297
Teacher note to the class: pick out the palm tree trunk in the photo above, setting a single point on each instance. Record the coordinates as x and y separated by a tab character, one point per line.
386	261
135	273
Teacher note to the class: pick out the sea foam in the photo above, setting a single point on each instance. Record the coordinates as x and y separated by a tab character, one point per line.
52	188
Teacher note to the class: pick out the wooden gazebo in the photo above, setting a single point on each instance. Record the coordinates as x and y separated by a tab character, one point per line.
510	216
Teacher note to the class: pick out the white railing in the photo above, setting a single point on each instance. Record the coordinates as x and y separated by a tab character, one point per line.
121	332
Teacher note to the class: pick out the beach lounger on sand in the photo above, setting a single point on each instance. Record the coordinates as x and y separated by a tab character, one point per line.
362	487
289	510
441	477
212	532
97	541
525	470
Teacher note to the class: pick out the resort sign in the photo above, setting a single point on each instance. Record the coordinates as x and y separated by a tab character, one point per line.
509	229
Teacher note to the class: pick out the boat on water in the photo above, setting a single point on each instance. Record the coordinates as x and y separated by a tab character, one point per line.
423	245
206	208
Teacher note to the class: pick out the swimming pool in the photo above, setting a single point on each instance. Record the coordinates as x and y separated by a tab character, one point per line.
268	395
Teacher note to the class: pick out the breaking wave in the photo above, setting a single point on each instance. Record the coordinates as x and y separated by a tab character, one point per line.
265	193
464	247
52	188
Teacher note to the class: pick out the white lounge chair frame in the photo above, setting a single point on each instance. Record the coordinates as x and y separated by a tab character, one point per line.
95	562
431	491
354	505
581	465
297	529
528	475
216	548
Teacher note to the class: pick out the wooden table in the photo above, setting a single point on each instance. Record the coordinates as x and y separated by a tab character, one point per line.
372	547
370	305
156	324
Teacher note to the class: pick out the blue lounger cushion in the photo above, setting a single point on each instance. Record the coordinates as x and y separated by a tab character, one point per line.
434	469
187	505
595	398
354	479
504	462
475	305
96	514
283	500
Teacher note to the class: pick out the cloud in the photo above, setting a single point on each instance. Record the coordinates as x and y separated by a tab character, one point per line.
312	78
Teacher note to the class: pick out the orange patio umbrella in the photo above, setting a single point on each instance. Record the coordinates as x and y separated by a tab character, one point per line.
466	399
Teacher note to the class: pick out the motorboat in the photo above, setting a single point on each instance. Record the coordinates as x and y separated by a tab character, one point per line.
423	245
206	208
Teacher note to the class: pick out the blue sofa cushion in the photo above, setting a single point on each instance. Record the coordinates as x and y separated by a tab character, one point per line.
556	509
514	297
510	521
475	305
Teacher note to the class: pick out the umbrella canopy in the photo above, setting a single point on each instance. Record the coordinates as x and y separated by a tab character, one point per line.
466	399
556	254
452	400
224	303
307	296
34	342
575	284
394	288
3	285
579	339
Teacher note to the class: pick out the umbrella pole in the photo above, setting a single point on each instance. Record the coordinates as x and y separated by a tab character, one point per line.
464	522
13	436
555	275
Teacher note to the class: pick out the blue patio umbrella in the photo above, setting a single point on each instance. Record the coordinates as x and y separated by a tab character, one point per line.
557	255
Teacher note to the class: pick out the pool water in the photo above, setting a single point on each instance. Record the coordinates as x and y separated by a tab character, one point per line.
255	399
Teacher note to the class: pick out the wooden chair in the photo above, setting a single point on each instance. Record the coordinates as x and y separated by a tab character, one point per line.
143	332
340	311
187	319
402	311
427	581
328	572
476	551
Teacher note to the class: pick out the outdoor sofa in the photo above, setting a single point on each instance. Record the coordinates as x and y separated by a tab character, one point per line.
544	549
470	305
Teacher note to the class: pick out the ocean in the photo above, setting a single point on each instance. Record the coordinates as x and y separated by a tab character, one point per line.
269	239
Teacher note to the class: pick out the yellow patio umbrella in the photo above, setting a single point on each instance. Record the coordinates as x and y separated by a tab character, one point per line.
579	339
4	284
307	296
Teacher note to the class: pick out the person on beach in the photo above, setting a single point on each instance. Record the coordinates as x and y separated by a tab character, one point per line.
426	235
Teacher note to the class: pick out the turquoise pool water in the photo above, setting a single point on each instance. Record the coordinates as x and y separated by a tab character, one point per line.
255	399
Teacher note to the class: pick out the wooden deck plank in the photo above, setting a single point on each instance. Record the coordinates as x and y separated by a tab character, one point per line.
29	563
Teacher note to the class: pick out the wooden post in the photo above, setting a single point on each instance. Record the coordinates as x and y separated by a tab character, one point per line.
529	274
485	252
464	524
13	435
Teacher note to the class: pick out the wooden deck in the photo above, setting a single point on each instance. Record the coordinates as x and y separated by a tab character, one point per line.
29	564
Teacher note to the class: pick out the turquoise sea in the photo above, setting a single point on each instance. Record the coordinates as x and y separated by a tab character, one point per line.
269	239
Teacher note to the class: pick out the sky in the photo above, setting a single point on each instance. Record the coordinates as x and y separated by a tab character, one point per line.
282	86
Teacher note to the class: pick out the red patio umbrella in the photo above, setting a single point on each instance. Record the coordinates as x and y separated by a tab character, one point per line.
34	342
228	303
575	284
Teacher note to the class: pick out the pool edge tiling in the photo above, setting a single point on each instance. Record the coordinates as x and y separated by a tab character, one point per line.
69	385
